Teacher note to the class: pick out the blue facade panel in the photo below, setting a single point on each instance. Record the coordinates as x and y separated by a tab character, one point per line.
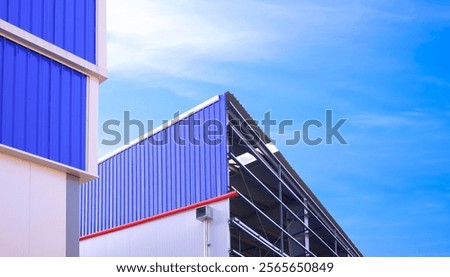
42	106
69	24
161	173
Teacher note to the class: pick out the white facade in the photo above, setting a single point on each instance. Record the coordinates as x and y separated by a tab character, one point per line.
33	209
39	196
179	234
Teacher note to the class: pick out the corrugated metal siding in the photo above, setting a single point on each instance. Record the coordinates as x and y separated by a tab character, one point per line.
147	179
42	106
69	24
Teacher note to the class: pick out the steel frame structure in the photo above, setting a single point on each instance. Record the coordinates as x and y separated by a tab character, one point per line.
276	214
268	210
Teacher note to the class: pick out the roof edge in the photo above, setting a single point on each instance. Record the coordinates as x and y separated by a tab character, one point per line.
160	128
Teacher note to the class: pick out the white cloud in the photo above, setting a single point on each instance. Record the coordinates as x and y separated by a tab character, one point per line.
156	41
187	39
383	120
402	119
180	38
435	81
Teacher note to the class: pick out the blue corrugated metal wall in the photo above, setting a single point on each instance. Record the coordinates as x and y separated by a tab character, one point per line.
69	24
42	106
148	179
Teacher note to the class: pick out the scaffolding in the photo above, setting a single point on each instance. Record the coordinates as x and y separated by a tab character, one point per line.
276	214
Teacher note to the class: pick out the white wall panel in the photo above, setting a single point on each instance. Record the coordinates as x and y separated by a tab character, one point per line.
176	235
47	212
14	206
32	209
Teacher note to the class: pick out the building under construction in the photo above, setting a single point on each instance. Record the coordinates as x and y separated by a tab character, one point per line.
207	183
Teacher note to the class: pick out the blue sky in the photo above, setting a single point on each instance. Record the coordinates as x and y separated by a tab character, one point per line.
383	65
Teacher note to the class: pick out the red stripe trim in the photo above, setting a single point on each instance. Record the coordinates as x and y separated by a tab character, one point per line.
165	214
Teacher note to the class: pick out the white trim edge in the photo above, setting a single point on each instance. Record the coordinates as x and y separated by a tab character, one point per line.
101	39
52	51
92	125
84	176
160	128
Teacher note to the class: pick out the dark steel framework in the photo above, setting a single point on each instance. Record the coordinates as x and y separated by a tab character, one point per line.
276	214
